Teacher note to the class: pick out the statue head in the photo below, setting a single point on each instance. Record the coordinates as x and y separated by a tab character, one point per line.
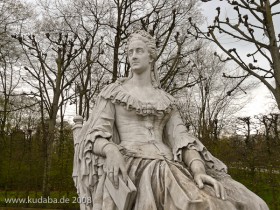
150	42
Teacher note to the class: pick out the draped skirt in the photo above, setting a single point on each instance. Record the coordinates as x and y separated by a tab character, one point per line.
166	185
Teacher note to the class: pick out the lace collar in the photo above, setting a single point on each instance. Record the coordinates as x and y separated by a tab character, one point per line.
118	95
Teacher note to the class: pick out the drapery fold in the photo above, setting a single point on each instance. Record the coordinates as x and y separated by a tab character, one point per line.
88	172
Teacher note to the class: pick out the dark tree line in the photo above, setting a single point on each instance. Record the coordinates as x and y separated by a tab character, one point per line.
64	58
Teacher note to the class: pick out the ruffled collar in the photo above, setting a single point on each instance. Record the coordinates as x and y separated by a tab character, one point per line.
118	95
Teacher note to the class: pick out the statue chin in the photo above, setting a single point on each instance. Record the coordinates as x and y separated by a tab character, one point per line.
138	71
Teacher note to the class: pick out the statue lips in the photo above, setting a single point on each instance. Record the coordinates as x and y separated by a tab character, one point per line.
134	64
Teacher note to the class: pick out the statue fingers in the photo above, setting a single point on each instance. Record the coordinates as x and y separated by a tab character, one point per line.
124	173
116	177
219	189
109	170
199	181
216	188
110	174
105	168
215	184
222	191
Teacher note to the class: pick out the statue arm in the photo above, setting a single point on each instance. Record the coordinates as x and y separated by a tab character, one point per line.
196	164
114	161
101	131
180	140
101	140
191	151
101	145
194	161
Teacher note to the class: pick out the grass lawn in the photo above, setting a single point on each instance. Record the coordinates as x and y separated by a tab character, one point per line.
266	185
56	200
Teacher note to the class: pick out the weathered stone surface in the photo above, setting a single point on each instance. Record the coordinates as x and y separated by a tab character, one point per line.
136	132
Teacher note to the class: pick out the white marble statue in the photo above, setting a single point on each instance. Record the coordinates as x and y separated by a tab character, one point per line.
136	131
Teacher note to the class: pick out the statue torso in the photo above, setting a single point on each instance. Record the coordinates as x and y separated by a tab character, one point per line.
141	123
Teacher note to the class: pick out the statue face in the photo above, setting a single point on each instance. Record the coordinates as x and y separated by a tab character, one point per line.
139	57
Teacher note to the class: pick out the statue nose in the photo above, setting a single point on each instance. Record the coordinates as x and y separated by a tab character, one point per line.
134	56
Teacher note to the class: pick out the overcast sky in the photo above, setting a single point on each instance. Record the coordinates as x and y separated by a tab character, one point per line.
260	97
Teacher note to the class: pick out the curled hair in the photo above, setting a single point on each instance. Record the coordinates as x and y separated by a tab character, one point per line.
147	39
151	45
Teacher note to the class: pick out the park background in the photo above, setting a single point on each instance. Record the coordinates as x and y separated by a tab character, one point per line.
56	56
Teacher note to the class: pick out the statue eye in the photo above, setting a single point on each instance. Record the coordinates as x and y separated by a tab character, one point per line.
139	50
130	52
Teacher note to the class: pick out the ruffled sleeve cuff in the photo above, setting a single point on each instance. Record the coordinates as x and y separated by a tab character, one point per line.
90	141
179	138
188	142
193	143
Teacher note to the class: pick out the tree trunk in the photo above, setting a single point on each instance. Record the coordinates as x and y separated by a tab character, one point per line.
116	57
274	50
48	144
117	45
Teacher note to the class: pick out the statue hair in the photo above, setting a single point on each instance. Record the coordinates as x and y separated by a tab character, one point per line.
145	37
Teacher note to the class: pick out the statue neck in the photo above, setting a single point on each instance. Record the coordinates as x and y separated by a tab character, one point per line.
142	80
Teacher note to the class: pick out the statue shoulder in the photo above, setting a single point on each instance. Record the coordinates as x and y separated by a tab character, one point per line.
108	89
168	96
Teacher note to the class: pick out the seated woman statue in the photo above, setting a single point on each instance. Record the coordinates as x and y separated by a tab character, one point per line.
136	132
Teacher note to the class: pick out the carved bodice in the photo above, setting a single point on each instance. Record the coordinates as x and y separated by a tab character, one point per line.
142	134
141	125
146	130
141	128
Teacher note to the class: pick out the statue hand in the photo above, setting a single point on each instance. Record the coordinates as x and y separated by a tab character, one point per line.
114	164
201	178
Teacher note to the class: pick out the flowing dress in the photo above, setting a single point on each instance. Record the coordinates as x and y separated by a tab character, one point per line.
151	136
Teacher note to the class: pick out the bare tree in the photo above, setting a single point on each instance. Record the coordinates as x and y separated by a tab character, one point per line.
109	23
50	74
86	16
207	106
253	25
13	15
83	19
9	77
270	123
